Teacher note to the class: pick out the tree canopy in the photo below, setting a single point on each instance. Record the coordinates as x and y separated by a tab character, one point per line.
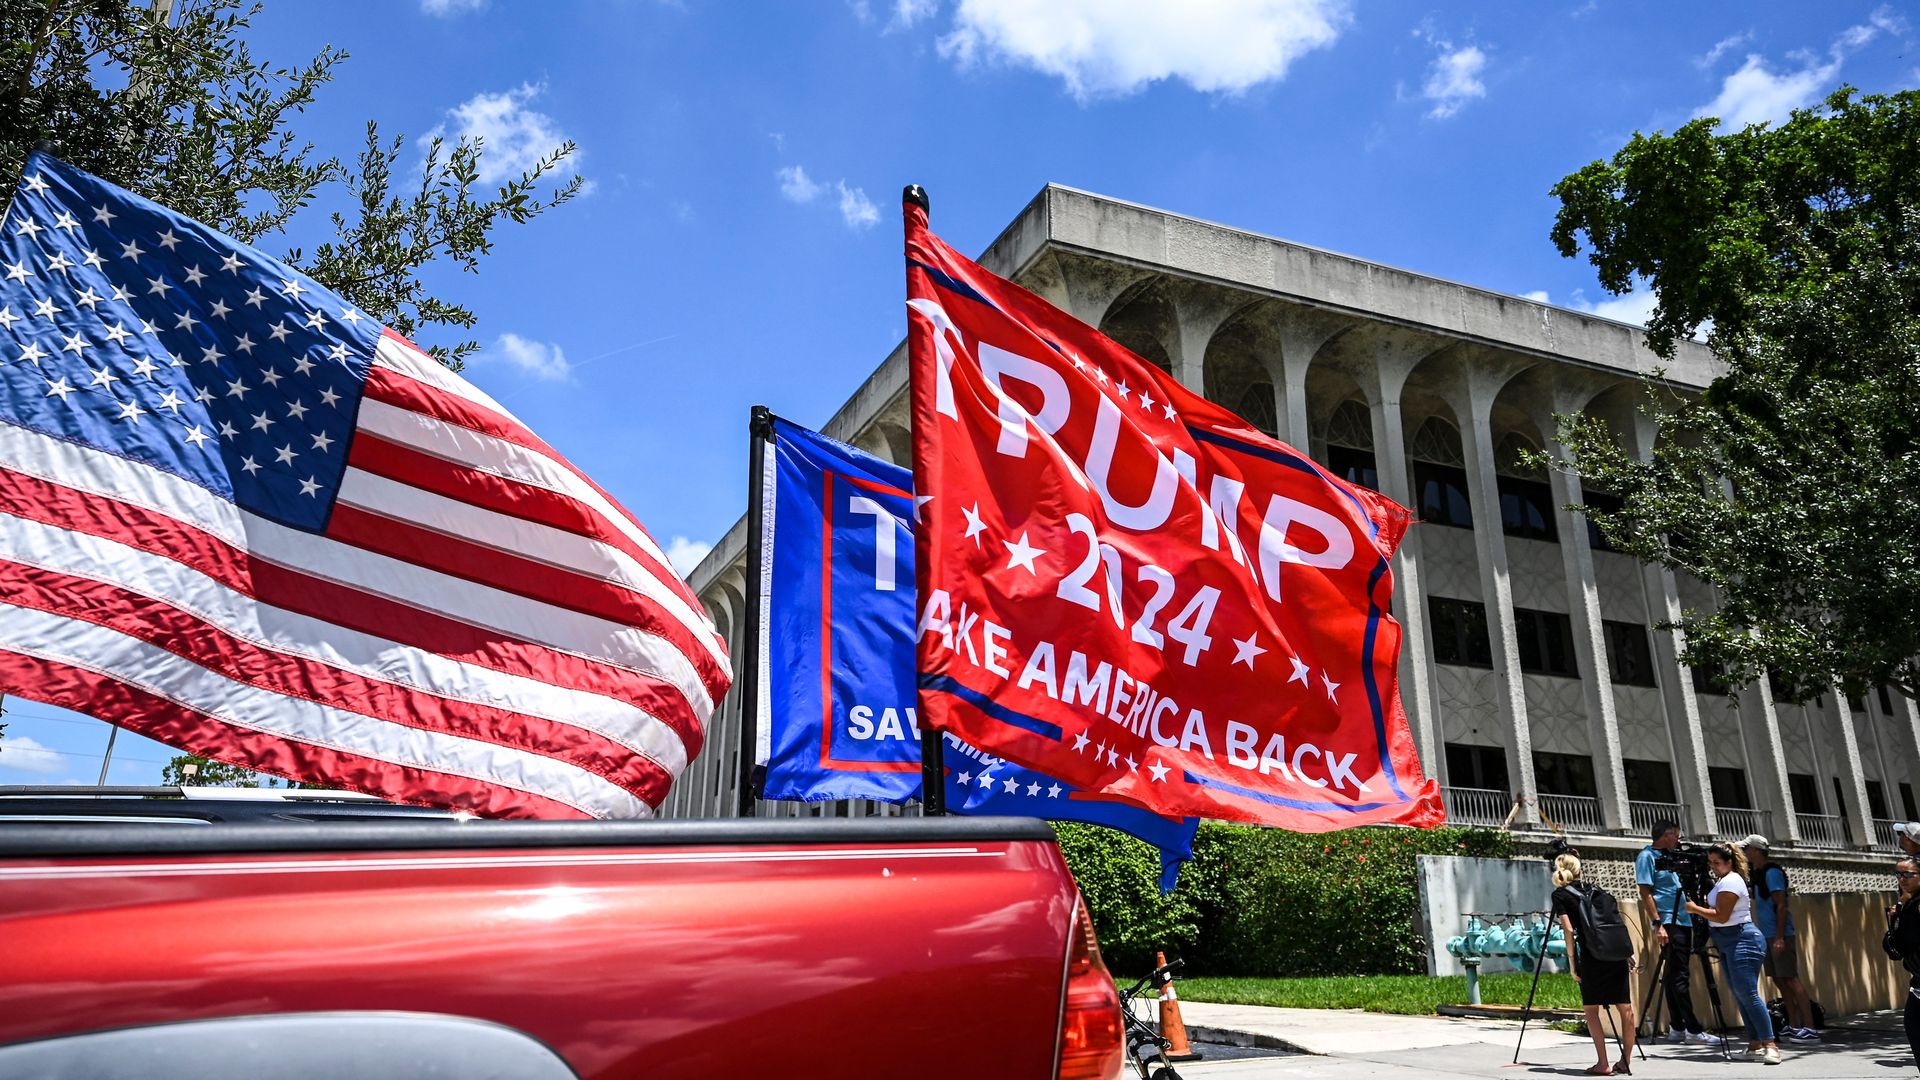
169	101
1792	483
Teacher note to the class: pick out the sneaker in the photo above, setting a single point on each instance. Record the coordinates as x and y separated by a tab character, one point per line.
1703	1038
1800	1035
1770	1055
1676	1035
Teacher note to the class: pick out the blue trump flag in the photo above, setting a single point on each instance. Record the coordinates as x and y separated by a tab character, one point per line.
836	660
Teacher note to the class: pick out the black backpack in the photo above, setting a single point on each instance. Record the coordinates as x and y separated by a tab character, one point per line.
1760	889
1603	934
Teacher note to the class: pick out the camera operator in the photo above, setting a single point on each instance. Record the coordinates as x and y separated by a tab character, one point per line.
1729	914
1774	918
1673	927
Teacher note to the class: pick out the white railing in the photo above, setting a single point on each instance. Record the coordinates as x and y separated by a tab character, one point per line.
1476	806
1644	814
1822	830
1575	813
1883	833
1737	824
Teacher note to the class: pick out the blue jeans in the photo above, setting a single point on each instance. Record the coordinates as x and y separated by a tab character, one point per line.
1742	953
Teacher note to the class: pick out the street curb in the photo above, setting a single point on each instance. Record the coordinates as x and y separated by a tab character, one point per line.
1229	1037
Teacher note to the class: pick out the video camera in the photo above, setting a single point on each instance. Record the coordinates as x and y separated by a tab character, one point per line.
1689	863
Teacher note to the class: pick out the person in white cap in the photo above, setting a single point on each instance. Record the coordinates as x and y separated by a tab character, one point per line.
1774	918
1907	835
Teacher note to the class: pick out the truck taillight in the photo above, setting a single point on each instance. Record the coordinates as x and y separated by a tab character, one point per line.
1091	1047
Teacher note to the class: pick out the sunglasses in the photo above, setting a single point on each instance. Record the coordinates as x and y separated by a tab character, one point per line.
1904	874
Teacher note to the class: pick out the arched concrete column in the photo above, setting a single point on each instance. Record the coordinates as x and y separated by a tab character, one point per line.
1379	360
1302	333
1543	393
1087	289
1858	812
1470	378
1676	695
1200	311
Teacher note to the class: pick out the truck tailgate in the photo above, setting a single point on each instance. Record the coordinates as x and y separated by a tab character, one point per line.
791	948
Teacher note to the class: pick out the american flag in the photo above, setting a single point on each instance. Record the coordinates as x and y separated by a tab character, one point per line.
243	518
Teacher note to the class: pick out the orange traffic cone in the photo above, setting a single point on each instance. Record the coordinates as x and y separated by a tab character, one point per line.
1172	1028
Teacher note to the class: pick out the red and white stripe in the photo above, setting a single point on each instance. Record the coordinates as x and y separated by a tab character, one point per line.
481	626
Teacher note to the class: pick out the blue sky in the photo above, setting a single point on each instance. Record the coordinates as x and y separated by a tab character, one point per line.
740	241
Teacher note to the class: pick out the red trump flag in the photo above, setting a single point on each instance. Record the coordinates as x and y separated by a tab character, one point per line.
1126	586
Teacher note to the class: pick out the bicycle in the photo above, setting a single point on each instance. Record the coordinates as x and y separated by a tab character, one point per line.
1145	1048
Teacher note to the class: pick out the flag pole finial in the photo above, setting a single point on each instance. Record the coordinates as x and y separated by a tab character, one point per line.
916	195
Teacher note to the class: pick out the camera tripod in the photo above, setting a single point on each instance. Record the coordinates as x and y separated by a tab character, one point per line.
1656	987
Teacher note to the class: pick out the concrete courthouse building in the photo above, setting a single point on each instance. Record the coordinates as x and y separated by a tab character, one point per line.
1539	692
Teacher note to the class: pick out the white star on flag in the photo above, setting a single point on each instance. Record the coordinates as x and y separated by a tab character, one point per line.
1331	687
1300	674
1159	772
1021	553
1245	651
975	526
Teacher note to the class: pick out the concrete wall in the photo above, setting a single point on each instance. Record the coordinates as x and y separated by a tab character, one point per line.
1452	886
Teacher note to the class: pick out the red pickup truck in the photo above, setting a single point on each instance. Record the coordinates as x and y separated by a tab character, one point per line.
165	938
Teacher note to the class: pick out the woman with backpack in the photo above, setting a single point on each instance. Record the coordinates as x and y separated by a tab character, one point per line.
1729	915
1600	957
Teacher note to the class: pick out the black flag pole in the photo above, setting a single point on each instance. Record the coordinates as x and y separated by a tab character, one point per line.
933	746
760	425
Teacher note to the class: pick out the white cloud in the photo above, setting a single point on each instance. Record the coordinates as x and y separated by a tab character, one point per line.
856	209
1109	48
906	13
685	553
514	135
1756	93
1635	307
22	754
1453	79
1538	296
536	358
448	8
1721	48
797	186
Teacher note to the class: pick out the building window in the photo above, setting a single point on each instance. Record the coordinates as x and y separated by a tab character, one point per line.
1526	510
1526	500
1886	699
1354	466
1439	475
1443	495
1483	767
1607	503
1906	801
1857	704
1564	774
1877	800
1256	406
1729	787
1805	792
1546	642
1629	656
1459	632
1711	679
1839	797
1650	781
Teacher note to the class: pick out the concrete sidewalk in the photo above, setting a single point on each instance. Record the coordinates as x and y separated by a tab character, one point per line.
1341	1044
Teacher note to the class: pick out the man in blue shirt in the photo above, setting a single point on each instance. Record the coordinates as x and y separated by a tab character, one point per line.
1667	914
1774	919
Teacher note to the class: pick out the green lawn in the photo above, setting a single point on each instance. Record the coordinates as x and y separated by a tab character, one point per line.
1413	995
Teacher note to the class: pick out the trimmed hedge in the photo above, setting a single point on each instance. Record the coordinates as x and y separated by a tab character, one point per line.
1265	902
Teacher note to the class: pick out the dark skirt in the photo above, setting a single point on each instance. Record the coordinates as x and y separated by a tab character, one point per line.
1604	982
